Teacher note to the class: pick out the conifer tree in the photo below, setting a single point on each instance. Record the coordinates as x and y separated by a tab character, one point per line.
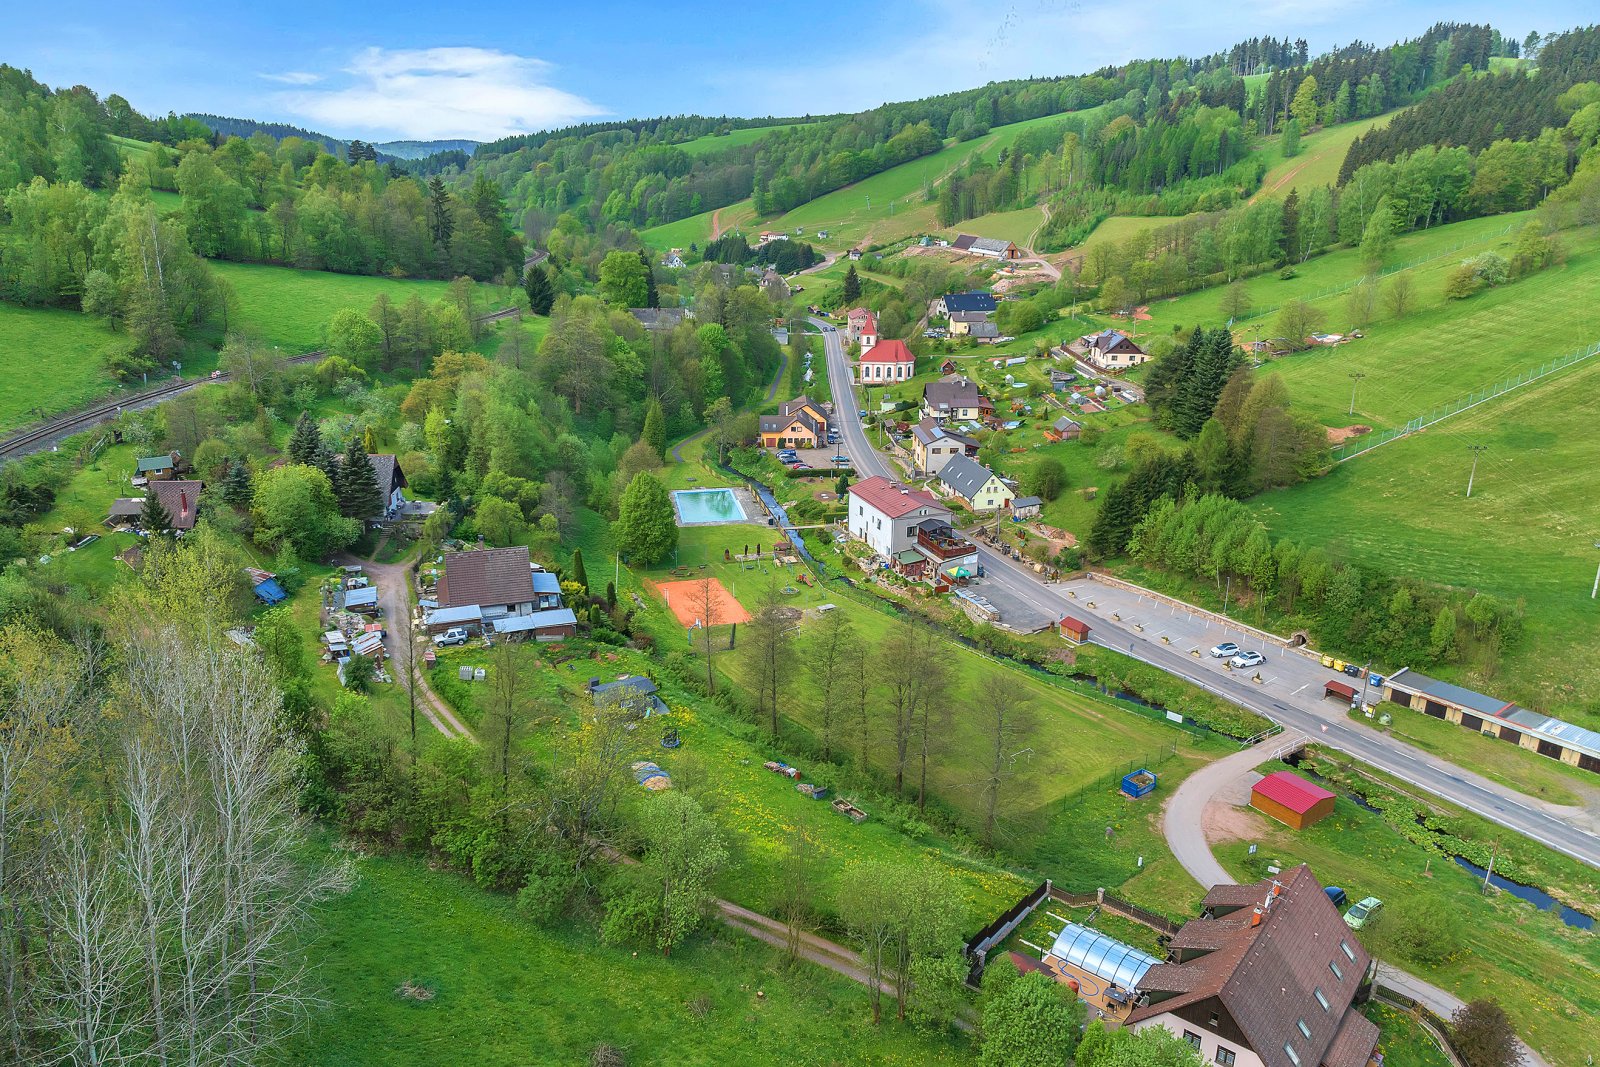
541	294
579	575
360	496
235	488
852	285
306	440
154	518
652	299
655	428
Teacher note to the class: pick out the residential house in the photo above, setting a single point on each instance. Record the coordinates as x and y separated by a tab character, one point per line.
391	482
800	423
771	235
861	328
156	468
634	692
1064	429
1026	507
989	247
181	499
885	514
485	586
1266	977
886	361
956	397
774	286
1111	350
673	259
954	303
660	318
546	590
961	322
984	332
934	446
854	254
974	483
946	551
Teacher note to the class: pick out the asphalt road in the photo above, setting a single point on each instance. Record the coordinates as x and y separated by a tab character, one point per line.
1287	697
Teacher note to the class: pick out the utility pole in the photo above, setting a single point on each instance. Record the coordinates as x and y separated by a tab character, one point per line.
1596	588
1476	450
1488	874
1355	381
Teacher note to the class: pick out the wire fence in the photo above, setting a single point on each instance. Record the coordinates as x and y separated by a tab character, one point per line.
1345	287
1360	446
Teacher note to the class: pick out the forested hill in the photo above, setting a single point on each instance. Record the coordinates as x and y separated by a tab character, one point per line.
423	149
1473	113
224	126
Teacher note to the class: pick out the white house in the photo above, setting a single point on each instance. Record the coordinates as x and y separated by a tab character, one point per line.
979	486
887	361
885	514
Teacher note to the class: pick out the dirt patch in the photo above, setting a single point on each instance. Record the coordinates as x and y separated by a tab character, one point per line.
413	991
824	496
687	600
1341	434
1226	822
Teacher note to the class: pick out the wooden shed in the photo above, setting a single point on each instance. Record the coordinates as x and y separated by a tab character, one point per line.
1344	692
1291	799
1074	630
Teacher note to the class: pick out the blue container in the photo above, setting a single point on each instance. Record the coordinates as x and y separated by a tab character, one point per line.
1139	783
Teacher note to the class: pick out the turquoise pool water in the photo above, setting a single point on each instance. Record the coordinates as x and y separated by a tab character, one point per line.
707	506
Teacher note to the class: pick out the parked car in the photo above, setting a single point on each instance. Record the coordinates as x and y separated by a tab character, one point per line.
799	466
1225	650
1247	659
1360	915
456	635
841	461
1336	895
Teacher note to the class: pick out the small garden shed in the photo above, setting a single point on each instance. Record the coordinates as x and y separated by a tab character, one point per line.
1291	799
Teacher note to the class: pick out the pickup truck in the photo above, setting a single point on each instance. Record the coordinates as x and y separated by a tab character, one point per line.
456	635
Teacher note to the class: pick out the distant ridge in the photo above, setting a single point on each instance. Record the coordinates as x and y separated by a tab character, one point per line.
423	149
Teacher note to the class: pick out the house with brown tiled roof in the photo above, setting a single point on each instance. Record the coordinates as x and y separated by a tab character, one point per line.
181	499
800	423
1268	976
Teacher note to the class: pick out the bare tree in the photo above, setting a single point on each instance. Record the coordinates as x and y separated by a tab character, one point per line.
898	655
709	607
769	648
403	656
1006	726
590	774
504	715
797	876
829	655
1400	296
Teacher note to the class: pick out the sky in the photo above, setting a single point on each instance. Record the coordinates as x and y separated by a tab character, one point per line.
405	70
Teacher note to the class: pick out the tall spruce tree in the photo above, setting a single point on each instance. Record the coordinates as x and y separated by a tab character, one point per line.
306	441
153	517
235	488
655	428
852	285
360	496
541	294
652	299
579	574
1214	361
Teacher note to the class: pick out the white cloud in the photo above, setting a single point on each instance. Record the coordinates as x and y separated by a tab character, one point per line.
427	93
293	77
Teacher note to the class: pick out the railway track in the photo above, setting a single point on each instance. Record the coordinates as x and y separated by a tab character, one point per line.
42	435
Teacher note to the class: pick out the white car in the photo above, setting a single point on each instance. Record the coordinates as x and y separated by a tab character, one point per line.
456	635
1247	659
1226	650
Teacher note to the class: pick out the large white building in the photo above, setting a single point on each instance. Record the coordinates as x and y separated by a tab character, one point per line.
885	514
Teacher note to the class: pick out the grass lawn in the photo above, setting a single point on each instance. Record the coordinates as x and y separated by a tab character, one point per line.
1017	226
1119	228
289	308
510	993
696	229
1545	974
713	142
1527	533
1402	1040
1318	161
66	345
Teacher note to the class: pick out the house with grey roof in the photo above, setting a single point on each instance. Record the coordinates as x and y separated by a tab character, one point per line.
933	446
660	318
973	301
974	483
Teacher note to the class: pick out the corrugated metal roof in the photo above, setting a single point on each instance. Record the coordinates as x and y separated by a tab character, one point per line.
447	616
1575	737
539	620
1292	791
1104	957
1454	694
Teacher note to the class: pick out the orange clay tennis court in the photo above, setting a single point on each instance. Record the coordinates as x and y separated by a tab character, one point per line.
687	599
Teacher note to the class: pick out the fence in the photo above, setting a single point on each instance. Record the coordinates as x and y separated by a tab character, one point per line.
1335	290
977	947
1438	1028
1359	446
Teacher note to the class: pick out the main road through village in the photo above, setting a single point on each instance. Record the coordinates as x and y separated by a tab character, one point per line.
1290	692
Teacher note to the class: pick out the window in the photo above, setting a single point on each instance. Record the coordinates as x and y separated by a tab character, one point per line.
1225	1056
1317	992
1294	1057
1349	953
1214	1020
1305	1031
1192	1037
1333	965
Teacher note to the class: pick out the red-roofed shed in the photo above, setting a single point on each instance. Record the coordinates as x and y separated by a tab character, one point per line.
1075	630
1291	799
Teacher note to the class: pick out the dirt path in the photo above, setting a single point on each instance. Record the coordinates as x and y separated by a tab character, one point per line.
394	597
1294	172
716	224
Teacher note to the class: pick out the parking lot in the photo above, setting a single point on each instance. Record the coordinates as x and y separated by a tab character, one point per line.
820	457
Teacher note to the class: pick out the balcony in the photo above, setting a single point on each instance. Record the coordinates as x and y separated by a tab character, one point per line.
945	547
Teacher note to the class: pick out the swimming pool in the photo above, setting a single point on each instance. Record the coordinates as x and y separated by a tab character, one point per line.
701	507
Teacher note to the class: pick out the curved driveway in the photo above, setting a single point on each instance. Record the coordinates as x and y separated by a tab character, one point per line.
1303	712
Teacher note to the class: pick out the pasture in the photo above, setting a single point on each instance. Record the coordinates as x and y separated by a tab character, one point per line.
51	361
1527	534
1317	163
714	142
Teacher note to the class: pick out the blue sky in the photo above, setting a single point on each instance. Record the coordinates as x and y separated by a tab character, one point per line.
487	68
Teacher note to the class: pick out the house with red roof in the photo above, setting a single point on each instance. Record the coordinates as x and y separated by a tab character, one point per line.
861	328
885	514
886	361
1291	799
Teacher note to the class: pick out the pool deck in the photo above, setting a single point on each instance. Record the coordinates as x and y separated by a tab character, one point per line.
754	513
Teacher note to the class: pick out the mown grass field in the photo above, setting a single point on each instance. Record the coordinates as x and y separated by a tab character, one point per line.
50	360
1017	226
290	308
1318	161
1527	534
1544	973
1119	228
712	142
508	993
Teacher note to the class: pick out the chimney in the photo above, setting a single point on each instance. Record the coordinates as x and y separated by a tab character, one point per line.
1255	919
183	501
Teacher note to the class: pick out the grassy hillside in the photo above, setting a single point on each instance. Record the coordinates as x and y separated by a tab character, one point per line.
896	207
711	142
50	360
1318	161
1017	226
1526	534
289	308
